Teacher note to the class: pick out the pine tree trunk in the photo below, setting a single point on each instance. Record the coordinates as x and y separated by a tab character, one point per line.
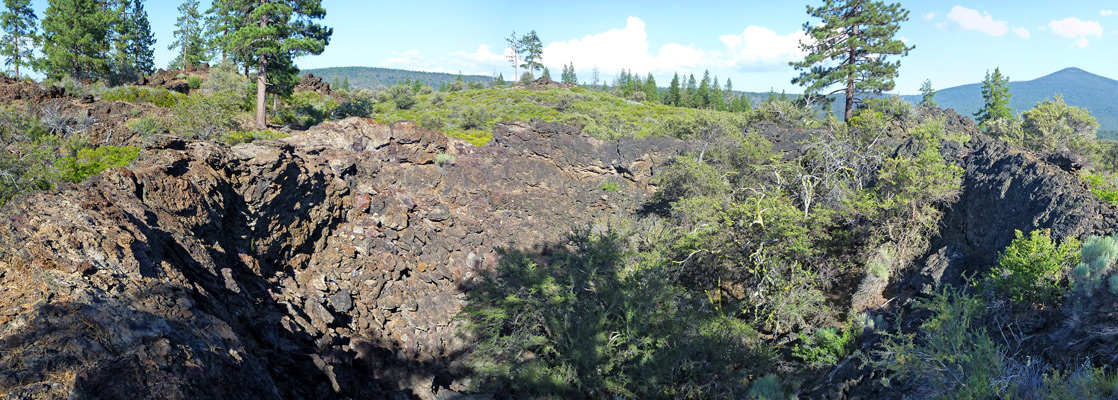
261	87
850	80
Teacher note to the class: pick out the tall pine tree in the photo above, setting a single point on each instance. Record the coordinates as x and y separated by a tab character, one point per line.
76	38
673	92
274	33
189	37
133	41
851	49
20	26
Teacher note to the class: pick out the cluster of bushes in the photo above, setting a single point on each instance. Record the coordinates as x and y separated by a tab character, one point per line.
35	156
471	114
601	321
157	96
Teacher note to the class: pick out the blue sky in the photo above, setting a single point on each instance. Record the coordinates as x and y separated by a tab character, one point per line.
750	42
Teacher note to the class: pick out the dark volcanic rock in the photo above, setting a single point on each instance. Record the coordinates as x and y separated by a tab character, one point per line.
327	264
1006	189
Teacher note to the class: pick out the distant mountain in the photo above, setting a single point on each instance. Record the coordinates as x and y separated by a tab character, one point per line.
370	77
1080	88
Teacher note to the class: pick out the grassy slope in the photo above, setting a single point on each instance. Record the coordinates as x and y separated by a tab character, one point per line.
599	114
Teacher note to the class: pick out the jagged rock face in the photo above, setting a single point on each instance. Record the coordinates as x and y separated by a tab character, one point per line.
328	264
1006	189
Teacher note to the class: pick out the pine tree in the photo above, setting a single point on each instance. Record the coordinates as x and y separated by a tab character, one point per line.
20	26
851	48
673	92
275	32
76	38
531	49
651	92
929	94
513	54
729	91
221	20
717	102
546	73
691	95
995	93
596	76
133	42
500	81
345	84
189	36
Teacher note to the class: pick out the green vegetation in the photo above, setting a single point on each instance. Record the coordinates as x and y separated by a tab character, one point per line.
610	186
1104	186
928	95
189	40
272	36
207	116
1080	88
194	82
1033	268
956	359
155	95
472	114
858	62
995	92
1051	126
378	78
1099	256
20	27
89	162
598	321
146	125
826	346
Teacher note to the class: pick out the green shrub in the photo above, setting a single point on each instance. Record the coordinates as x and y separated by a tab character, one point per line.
158	96
432	121
610	186
952	359
1103	186
826	346
444	159
89	162
67	82
194	82
237	137
1032	268
767	387
147	125
593	322
224	78
207	116
1097	260
311	108
358	103
473	118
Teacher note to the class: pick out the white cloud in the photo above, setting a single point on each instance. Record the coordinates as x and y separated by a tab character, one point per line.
930	16
759	48
1108	13
1021	31
972	20
482	60
755	49
1073	28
